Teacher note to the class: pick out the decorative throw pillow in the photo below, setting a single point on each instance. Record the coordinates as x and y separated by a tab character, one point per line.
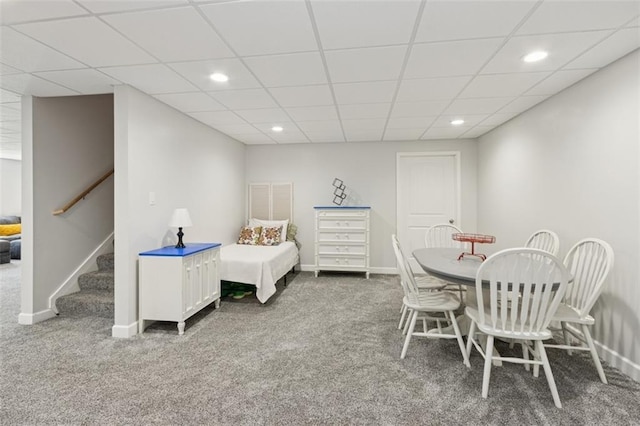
249	235
270	236
280	223
12	229
292	230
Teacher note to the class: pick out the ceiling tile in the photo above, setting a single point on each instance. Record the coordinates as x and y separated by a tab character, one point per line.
313	113
608	50
325	136
458	20
332	126
220	118
522	104
302	95
402	134
232	129
191	102
418	109
497	119
85	81
152	79
558	81
15	11
296	69
356	111
290	136
254	139
190	36
562	48
363	135
501	85
477	131
369	64
363	125
198	73
477	105
444	132
107	47
261	28
264	115
469	120
410	123
362	93
244	99
452	58
287	125
24	53
634	23
563	16
431	89
102	6
6	69
361	24
27	84
6	96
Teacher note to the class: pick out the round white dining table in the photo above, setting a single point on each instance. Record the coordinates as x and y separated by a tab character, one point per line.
443	263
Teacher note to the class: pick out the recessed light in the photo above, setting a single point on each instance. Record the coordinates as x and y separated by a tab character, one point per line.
277	128
219	77
457	121
536	56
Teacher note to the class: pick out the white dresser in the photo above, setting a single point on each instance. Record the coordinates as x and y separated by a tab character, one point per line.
175	283
342	239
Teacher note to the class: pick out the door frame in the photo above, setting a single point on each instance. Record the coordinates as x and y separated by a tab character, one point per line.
456	156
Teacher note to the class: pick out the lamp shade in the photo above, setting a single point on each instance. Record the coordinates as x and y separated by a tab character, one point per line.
180	219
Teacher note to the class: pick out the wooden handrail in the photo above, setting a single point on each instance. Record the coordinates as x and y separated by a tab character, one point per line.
82	194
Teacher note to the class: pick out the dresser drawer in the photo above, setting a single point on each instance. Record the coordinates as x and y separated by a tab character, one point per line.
344	235
352	249
332	261
343	214
342	223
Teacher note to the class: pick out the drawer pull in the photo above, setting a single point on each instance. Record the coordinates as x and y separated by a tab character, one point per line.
346	236
345	248
337	237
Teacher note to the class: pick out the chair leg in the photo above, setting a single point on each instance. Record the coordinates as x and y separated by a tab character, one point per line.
472	329
547	372
594	354
461	294
525	354
414	317
459	338
406	323
488	360
403	313
565	334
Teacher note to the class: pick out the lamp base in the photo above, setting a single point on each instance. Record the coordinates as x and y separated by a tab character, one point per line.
180	235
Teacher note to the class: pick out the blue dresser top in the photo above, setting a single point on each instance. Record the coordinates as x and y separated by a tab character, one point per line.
172	251
341	207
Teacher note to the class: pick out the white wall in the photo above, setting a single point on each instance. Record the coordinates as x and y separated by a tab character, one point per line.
67	146
368	169
186	164
10	187
571	164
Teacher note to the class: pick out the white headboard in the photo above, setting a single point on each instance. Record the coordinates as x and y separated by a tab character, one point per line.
271	201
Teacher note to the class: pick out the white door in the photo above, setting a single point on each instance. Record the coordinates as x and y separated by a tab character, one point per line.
428	193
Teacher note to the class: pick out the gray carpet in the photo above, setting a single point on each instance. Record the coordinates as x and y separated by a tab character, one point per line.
322	351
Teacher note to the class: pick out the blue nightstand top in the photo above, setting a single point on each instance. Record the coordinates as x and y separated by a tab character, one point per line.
341	207
172	251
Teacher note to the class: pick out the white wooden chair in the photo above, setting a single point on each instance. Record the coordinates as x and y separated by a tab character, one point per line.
539	280
544	239
589	261
440	235
426	302
424	283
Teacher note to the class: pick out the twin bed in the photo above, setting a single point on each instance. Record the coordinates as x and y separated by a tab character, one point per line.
261	266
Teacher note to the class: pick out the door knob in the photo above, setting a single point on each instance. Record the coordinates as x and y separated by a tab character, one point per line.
451	221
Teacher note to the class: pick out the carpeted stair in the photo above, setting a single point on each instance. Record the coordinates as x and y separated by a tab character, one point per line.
95	297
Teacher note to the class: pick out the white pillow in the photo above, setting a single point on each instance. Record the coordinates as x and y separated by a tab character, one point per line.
272	223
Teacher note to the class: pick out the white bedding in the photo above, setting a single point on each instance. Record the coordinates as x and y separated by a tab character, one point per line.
261	266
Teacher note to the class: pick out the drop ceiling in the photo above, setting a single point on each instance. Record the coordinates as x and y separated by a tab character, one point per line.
324	70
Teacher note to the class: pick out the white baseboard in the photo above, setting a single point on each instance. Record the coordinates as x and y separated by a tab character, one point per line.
70	285
30	319
618	361
124	331
373	270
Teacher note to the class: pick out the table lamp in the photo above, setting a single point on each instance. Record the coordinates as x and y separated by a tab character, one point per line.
180	219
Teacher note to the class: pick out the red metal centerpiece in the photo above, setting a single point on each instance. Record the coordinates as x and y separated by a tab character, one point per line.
473	239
